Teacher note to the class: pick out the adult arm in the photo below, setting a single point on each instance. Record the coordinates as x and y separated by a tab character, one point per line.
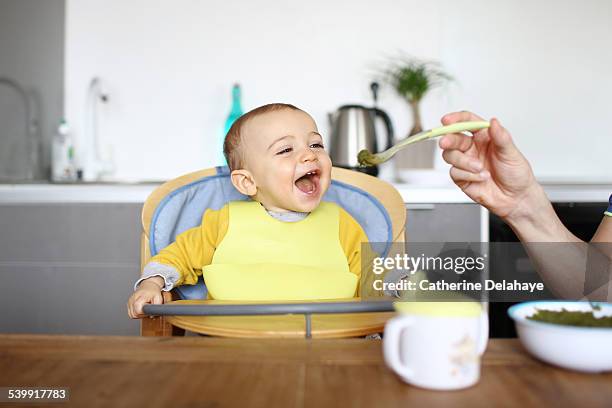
491	170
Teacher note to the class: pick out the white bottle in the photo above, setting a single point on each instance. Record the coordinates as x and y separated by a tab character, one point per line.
62	155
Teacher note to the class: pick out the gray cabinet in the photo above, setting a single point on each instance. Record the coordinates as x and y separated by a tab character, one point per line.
444	223
68	268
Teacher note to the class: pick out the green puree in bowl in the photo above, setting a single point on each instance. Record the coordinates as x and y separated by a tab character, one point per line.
571	318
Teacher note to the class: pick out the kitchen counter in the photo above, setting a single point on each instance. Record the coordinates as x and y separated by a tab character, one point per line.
25	193
75	193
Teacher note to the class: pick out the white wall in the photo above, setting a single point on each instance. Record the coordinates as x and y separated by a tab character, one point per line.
544	68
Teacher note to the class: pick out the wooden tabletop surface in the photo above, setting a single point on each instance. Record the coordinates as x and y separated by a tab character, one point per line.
117	371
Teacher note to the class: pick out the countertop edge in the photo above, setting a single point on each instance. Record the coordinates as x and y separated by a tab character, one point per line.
137	193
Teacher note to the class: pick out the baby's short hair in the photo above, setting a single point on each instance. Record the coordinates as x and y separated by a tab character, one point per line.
233	139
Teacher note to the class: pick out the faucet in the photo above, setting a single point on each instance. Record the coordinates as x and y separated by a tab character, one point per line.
34	145
93	165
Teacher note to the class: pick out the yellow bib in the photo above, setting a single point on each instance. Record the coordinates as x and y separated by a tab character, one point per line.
262	258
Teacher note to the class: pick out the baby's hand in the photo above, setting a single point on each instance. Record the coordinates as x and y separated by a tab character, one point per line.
148	291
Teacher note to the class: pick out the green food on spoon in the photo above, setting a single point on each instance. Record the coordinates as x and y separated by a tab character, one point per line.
571	318
366	158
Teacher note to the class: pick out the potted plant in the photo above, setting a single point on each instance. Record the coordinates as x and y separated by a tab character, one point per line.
413	79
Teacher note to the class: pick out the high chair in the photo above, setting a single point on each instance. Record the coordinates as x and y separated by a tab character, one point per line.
179	204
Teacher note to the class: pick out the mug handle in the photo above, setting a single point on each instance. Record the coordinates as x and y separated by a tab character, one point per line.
391	345
483	337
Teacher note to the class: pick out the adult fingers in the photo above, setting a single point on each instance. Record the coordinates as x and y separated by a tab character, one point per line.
461	116
460	176
480	137
501	138
456	141
462	161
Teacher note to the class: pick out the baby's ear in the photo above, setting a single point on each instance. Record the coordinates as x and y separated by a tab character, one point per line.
244	182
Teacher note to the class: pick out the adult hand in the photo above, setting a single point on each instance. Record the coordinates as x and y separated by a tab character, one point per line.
489	168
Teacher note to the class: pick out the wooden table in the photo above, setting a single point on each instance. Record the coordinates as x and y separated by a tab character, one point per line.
177	372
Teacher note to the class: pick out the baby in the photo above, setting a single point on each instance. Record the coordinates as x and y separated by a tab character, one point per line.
277	158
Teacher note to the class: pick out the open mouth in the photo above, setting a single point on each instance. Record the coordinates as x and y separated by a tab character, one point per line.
309	182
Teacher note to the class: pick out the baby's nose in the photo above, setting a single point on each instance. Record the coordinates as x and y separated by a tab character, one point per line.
308	155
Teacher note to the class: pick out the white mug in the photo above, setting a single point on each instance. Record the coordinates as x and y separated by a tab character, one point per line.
437	345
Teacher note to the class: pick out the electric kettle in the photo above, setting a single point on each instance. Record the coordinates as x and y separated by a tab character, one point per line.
353	129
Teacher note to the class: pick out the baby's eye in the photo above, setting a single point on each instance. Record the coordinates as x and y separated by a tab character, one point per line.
318	145
286	150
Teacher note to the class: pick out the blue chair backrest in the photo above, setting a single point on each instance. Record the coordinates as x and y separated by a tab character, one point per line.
184	207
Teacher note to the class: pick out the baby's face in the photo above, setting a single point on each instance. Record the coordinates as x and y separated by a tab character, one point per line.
284	152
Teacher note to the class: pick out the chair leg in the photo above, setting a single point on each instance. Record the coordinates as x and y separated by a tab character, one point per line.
177	331
158	326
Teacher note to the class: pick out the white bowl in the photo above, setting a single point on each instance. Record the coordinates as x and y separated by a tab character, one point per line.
586	349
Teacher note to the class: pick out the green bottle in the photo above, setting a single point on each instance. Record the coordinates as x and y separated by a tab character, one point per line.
234	114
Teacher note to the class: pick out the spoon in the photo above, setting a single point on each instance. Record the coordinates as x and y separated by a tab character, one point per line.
366	158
